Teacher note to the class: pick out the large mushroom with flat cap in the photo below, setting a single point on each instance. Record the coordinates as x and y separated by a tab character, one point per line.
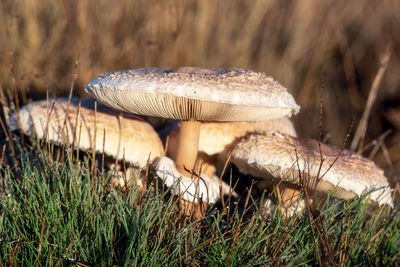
120	135
193	95
297	162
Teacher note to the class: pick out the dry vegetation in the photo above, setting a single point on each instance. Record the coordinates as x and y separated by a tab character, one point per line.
43	44
295	42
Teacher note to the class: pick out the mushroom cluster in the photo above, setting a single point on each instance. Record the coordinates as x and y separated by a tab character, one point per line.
224	109
222	112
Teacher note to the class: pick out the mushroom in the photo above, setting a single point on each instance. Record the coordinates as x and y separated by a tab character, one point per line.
193	95
297	162
126	136
218	138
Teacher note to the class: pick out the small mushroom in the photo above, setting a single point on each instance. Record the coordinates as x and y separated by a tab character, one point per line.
279	156
126	136
193	95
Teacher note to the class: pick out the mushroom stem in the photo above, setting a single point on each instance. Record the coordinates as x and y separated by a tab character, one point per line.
188	146
289	196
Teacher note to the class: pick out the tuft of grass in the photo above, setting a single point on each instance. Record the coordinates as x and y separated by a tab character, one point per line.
54	212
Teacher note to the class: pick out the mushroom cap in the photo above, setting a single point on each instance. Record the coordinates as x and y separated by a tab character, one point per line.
126	136
189	189
283	157
194	93
219	137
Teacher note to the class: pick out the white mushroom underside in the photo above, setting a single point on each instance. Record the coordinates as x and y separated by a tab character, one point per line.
272	156
205	188
183	108
225	86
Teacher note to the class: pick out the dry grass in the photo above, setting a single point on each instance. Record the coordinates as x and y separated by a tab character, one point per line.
295	42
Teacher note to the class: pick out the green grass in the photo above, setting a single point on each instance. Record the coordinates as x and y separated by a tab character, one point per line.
54	212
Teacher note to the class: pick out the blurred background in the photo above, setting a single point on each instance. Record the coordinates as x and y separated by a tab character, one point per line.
300	43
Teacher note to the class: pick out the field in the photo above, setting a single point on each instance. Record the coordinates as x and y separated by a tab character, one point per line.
51	213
